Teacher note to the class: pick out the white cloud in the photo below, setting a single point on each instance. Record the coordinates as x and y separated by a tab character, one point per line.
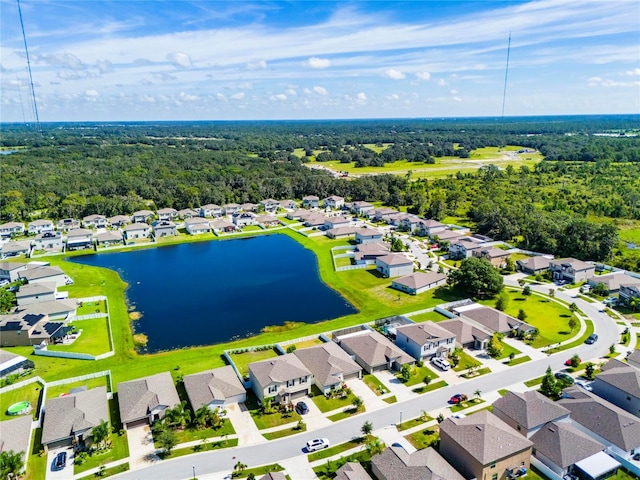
256	64
188	97
320	90
361	97
164	77
453	92
393	96
457	99
220	97
635	71
179	59
104	66
64	60
280	96
91	93
423	76
315	62
607	82
237	96
442	82
291	92
148	99
394	74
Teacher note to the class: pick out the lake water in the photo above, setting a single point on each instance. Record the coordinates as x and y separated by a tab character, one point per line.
212	292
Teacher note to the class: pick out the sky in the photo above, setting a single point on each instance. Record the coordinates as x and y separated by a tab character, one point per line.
116	60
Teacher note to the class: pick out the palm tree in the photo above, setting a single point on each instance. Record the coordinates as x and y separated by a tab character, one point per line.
178	416
201	417
100	432
239	467
11	464
367	428
477	393
375	446
357	403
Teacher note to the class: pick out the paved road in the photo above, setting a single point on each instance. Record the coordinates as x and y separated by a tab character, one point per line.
282	449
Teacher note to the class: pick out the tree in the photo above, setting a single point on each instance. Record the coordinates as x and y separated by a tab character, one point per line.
375	446
11	464
167	439
178	416
7	300
239	467
521	282
426	379
367	428
590	370
502	302
477	277
100	432
549	386
357	403
612	348
440	418
574	361
455	356
406	372
573	323
201	417
600	289
552	292
573	307
494	349
526	291
509	265
397	245
477	393
522	315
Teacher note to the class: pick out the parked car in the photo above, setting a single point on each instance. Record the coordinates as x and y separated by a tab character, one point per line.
59	462
302	408
568	362
565	377
4	282
441	363
317	444
613	301
458	398
593	338
585	385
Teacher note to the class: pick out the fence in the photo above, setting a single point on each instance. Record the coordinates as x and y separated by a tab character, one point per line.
15	386
103	373
550	474
43	352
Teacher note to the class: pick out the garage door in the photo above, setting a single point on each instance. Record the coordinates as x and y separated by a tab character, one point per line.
59	444
137	423
297	395
351	376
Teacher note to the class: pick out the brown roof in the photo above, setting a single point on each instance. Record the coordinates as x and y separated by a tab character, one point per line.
137	398
395	259
218	384
464	331
424	332
375	349
613	282
577	265
352	471
419	279
15	435
493	319
484	436
394	463
535	263
621	376
368	232
564	444
278	369
529	409
327	362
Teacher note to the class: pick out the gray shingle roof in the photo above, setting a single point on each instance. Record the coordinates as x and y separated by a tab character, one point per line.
492	319
136	226
577	265
36	289
326	362
564	444
464	331
535	263
529	409
424	332
484	436
352	471
374	349
218	384
420	279
40	272
137	398
368	232
64	416
278	369
15	435
621	376
274	476
603	418
394	463
394	259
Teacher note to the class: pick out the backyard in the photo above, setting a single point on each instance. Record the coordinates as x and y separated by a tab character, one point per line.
30	393
93	340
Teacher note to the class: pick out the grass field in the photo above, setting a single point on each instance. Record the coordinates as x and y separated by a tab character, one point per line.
333	403
336	449
374	384
30	393
242	360
419	373
424	438
94	338
53	392
432	316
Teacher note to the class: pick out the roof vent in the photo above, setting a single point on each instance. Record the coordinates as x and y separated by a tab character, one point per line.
479	427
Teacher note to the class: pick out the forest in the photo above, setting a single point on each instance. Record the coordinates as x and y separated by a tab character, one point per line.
570	204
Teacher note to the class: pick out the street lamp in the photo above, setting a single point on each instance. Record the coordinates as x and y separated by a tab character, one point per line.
194	471
400	418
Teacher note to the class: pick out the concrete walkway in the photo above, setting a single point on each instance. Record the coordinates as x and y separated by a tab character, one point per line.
248	433
371	400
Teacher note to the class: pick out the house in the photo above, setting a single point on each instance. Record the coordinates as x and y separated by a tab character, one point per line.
210	210
167	214
619	383
362	209
11	229
118	221
419	282
310	201
533	265
495	320
314	220
43	273
11	270
495	256
351	471
94	221
614	281
464	247
222	226
107	239
483	446
69	420
12	363
450	236
381	214
79	238
394	463
188	213
284	378
373	351
340	232
431	228
288	205
274	476
633	359
366	253
197	225
249	207
15	436
560	445
145	400
605	422
142	216
406	222
394	265
368	235
334	201
40	226
571	270
136	230
55	310
425	340
13	248
67	224
35	293
298	214
164	228
267	221
48	241
528	412
243	219
628	293
329	364
467	335
337	222
214	388
270	205
29	329
231	209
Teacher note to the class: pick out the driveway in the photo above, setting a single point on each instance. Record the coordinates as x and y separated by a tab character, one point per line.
142	451
245	427
371	400
398	388
67	472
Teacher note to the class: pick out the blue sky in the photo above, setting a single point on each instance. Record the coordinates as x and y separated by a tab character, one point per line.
226	60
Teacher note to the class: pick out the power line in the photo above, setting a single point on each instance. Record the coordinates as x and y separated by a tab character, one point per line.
506	74
26	49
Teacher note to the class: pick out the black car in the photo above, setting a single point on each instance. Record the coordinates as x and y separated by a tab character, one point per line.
593	338
60	461
302	408
565	378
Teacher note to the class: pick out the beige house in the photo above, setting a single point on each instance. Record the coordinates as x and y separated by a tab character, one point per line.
214	388
329	364
145	400
284	378
419	282
484	447
571	270
394	463
373	351
495	256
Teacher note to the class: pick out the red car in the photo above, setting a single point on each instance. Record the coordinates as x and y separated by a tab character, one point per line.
458	398
568	362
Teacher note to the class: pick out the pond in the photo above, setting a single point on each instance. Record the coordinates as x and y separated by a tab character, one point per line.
213	292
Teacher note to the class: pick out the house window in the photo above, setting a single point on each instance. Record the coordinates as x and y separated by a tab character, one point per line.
291	383
494	476
273	388
493	465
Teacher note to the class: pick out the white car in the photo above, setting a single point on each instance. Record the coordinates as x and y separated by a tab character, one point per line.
317	444
586	385
441	363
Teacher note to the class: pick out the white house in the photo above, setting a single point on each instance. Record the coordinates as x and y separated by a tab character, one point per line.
40	226
48	241
362	208
10	229
210	210
368	235
419	282
167	214
136	230
197	225
334	201
394	265
164	228
310	201
79	238
425	340
284	378
142	216
94	221
336	222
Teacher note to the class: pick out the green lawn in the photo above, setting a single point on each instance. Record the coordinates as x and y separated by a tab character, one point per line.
391	399
589	330
418	375
414	422
31	393
93	340
343	261
507	350
424	438
518	360
53	392
374	384
205	446
36	463
534	381
433	316
259	471
477	373
284	433
306	343
465	361
336	449
190	434
431	387
472	402
346	413
333	403
242	360
87	308
119	449
327	471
